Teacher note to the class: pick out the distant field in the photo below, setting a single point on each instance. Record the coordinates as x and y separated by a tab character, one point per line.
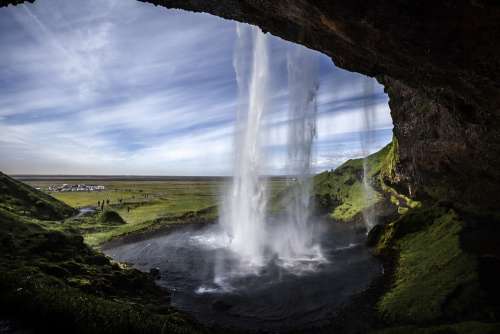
140	202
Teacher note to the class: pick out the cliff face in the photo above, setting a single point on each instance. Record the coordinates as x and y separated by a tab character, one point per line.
438	61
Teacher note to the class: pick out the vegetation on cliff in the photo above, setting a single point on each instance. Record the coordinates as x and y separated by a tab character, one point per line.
341	194
342	189
444	259
437	281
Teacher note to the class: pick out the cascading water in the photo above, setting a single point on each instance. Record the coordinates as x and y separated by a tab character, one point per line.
367	140
244	213
244	220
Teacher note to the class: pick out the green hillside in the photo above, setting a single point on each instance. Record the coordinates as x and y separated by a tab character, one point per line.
51	281
341	191
21	199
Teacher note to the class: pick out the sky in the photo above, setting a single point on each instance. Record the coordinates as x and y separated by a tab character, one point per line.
120	87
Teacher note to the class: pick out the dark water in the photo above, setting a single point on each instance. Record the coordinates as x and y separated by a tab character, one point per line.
210	283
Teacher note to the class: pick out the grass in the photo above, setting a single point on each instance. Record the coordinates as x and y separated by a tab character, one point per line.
436	279
143	205
433	272
54	282
174	196
22	199
343	190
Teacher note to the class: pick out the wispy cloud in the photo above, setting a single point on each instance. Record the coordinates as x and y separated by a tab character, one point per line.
121	87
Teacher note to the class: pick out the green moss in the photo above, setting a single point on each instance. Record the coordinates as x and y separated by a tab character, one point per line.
434	276
390	161
56	283
402	210
50	305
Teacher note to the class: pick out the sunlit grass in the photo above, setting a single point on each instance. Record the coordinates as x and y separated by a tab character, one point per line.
143	204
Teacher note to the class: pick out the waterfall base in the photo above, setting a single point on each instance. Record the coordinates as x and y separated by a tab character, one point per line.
212	284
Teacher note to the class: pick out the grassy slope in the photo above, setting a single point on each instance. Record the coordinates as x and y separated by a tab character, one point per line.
436	283
96	233
341	192
53	281
433	272
20	198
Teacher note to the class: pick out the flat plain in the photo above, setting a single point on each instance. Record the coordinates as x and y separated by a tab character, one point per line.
144	203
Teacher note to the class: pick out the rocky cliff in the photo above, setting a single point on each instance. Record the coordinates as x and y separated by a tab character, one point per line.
438	61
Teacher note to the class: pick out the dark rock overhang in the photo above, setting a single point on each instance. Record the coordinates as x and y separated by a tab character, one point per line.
449	45
4	3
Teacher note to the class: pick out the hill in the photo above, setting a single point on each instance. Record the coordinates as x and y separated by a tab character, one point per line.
21	199
51	281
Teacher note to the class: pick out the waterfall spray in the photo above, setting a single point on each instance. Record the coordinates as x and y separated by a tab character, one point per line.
367	140
296	241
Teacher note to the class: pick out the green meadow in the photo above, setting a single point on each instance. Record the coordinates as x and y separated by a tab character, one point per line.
143	204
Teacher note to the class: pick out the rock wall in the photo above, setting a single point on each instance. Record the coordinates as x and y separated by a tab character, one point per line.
438	61
4	3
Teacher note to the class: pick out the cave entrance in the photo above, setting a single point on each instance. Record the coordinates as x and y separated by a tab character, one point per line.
105	93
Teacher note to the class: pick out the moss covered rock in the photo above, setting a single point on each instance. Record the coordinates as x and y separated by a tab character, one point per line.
435	278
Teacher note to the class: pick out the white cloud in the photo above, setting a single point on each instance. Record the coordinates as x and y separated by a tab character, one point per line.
120	87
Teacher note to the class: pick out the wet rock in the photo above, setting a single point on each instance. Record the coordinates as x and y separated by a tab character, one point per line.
374	235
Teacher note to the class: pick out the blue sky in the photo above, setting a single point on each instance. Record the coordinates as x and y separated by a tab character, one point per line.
123	87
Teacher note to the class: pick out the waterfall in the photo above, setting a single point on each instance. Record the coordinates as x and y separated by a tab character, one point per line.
245	225
367	140
244	215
